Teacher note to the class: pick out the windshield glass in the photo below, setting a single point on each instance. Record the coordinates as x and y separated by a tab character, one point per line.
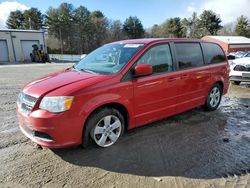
108	59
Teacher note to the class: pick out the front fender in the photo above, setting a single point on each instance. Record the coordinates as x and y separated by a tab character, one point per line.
104	99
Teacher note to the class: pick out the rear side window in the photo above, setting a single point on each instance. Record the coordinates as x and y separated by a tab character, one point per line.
189	55
214	53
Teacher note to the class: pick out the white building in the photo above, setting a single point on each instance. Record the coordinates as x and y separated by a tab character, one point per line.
16	45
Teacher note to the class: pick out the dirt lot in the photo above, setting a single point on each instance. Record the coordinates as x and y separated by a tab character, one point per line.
194	149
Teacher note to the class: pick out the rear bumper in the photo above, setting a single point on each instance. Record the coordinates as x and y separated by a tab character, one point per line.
49	129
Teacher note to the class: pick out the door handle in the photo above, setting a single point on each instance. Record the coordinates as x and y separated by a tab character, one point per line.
153	83
150	84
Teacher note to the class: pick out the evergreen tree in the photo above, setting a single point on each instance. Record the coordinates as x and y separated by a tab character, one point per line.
242	26
15	20
209	22
33	19
133	28
173	28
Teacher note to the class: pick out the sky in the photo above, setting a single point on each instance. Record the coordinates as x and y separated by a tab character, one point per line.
150	12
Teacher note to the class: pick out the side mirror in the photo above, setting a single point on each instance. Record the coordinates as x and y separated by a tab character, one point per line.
230	57
143	70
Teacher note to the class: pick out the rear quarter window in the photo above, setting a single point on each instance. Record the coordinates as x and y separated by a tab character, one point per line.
189	55
214	53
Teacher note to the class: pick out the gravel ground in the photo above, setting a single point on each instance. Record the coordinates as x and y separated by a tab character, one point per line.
193	149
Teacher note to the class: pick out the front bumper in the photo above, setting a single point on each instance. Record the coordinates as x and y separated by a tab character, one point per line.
239	78
35	135
50	129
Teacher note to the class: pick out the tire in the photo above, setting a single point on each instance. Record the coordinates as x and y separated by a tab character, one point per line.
104	128
213	98
237	82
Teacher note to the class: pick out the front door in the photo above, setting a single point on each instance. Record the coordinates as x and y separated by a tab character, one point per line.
155	95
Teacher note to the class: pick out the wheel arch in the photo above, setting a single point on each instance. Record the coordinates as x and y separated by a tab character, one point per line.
118	106
207	106
220	84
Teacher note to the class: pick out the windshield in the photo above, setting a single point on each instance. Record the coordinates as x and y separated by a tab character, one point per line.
108	59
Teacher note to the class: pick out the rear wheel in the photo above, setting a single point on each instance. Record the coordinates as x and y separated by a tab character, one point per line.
104	127
237	82
213	98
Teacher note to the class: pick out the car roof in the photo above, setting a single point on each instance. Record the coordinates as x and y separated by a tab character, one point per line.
156	40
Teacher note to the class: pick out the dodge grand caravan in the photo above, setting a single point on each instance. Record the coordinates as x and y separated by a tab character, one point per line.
120	86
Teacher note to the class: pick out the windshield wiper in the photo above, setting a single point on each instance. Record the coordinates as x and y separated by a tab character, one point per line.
89	71
72	68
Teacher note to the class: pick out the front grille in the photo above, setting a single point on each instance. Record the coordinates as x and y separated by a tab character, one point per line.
26	107
30	99
27	102
241	68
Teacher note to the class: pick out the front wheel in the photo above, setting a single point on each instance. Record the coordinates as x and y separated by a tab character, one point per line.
105	127
213	98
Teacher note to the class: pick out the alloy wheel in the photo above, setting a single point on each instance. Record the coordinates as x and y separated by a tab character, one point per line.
214	97
107	131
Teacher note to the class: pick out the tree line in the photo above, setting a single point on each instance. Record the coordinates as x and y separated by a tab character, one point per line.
207	23
78	30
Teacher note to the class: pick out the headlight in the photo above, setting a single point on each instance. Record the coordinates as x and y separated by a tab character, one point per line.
56	104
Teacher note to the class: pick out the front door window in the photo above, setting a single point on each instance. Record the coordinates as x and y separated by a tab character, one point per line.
159	57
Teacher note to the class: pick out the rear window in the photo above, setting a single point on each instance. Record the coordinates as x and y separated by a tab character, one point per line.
214	53
189	55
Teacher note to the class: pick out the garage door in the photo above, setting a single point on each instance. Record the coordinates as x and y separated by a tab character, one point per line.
4	55
27	48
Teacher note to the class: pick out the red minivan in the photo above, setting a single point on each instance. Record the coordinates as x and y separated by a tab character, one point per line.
120	86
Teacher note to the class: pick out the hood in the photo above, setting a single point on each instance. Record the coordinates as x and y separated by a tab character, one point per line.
57	80
242	61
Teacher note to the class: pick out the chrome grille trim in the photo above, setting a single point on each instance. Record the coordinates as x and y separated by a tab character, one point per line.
27	102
